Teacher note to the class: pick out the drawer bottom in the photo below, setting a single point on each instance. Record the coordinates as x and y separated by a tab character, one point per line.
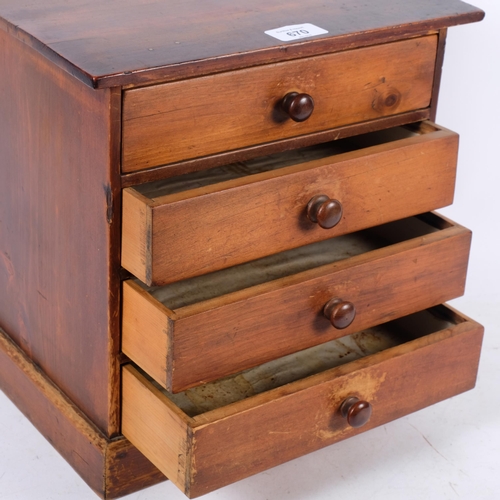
213	435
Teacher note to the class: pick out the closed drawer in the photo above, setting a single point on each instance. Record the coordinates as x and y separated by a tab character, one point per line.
252	313
217	434
198	117
198	223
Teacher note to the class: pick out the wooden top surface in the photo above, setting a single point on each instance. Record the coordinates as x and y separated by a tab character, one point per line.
109	43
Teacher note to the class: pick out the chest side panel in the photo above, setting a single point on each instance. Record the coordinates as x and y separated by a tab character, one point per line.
56	226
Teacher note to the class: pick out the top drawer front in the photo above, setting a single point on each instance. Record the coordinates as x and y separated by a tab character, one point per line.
227	111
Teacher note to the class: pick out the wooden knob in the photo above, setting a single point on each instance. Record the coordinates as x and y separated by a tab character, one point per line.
355	411
298	107
341	313
325	211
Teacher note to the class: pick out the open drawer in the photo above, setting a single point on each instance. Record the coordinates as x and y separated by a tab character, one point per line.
222	432
198	330
205	221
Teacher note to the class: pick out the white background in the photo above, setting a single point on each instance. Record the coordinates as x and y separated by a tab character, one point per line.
448	451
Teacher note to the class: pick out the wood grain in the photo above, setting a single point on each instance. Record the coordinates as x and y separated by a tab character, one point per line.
128	470
260	150
438	72
113	216
60	220
252	435
112	468
58	256
246	218
258	323
165	434
176	121
137	220
144	42
141	315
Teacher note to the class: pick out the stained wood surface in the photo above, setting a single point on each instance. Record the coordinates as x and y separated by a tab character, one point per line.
58	227
254	152
230	443
128	470
112	468
142	42
136	255
166	435
221	218
438	72
294	367
146	332
198	117
270	309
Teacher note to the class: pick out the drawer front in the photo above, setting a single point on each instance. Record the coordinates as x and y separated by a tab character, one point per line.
171	237
203	452
255	324
176	121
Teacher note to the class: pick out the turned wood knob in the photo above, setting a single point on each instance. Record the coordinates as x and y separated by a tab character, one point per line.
356	412
341	313
298	107
325	211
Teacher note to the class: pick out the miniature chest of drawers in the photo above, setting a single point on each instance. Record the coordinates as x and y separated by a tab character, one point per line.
218	250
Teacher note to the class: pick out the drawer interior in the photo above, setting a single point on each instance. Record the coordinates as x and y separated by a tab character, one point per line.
314	360
209	286
177	184
207	437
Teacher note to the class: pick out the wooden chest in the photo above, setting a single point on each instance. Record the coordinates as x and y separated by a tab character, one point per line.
218	244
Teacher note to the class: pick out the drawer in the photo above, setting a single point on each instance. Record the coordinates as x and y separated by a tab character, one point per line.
176	121
259	311
216	434
201	222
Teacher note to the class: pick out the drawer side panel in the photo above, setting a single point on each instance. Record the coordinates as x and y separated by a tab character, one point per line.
155	426
146	333
136	234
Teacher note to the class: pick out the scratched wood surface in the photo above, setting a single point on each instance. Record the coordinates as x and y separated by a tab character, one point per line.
265	309
257	431
59	254
112	468
271	148
193	225
144	41
228	111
